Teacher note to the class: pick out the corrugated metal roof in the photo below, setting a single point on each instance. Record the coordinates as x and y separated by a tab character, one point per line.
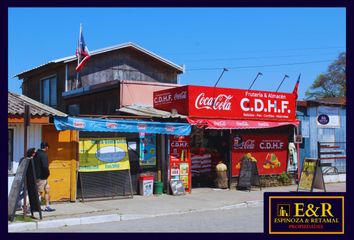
149	111
108	49
16	104
333	100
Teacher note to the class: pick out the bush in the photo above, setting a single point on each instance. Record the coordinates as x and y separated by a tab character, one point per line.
284	178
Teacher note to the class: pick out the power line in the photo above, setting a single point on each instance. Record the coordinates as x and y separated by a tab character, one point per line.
262	57
257	51
259	66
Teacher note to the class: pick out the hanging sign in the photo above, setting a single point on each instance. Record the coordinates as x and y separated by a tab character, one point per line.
147	149
269	152
103	154
201	101
180	160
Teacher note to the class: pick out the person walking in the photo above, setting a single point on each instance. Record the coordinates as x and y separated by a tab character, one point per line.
41	164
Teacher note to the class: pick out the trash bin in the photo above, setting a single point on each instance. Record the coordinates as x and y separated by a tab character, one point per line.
158	187
146	184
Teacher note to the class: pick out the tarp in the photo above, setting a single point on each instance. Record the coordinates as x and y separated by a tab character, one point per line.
104	125
212	123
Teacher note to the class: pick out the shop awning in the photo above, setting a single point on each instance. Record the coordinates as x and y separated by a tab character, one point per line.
212	123
104	125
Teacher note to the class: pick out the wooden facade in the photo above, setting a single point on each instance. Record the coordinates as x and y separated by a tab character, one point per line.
98	89
312	133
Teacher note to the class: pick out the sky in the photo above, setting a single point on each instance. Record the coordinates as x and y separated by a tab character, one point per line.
273	41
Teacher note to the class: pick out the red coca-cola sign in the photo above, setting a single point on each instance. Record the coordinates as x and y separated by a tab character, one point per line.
220	102
200	101
270	152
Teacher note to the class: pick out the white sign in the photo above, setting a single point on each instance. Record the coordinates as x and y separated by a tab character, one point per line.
328	117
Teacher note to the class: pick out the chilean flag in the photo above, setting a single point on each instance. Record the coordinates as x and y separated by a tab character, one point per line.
296	86
82	51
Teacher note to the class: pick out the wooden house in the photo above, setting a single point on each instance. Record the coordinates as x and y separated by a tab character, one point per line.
62	151
113	78
98	87
323	123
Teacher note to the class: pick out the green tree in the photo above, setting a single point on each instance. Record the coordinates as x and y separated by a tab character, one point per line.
332	83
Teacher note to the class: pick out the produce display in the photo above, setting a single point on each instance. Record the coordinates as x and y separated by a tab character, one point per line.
247	156
271	161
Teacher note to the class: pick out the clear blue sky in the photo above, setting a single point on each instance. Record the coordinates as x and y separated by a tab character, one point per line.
205	40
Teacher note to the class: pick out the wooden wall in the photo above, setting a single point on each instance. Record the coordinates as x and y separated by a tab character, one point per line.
32	84
103	102
124	64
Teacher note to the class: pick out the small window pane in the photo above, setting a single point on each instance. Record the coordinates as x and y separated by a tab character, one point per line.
45	92
53	92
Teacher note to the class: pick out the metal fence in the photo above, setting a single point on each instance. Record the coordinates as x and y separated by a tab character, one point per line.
332	156
106	184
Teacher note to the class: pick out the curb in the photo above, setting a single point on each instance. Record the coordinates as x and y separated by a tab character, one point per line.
20	227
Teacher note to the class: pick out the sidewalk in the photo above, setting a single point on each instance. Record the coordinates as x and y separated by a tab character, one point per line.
201	199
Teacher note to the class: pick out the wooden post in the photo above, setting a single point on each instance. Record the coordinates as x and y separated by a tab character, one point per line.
26	123
73	168
298	162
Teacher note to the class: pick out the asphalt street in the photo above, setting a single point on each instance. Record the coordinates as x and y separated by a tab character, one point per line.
231	220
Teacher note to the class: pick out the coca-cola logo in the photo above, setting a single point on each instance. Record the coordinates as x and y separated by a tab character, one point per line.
242	124
220	102
220	123
180	96
263	124
249	144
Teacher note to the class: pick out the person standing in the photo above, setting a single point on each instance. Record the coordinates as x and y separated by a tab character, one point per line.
41	165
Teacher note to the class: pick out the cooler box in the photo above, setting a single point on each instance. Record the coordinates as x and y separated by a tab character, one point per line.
146	184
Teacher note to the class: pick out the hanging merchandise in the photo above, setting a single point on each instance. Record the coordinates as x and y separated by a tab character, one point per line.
180	160
292	163
147	149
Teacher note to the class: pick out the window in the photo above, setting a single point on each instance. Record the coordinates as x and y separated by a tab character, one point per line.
49	91
10	150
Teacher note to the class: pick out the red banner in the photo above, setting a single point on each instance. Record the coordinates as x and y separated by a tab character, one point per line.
269	151
180	161
201	101
214	123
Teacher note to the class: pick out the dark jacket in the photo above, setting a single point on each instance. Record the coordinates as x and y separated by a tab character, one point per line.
41	165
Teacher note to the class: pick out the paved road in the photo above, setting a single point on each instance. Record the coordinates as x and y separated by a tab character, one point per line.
232	220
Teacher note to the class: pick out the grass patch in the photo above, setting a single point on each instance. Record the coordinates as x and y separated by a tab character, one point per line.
20	218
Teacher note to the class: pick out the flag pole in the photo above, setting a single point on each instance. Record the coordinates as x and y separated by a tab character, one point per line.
297	145
78	57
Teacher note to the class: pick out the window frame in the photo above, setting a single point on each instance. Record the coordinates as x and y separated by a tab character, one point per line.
50	78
